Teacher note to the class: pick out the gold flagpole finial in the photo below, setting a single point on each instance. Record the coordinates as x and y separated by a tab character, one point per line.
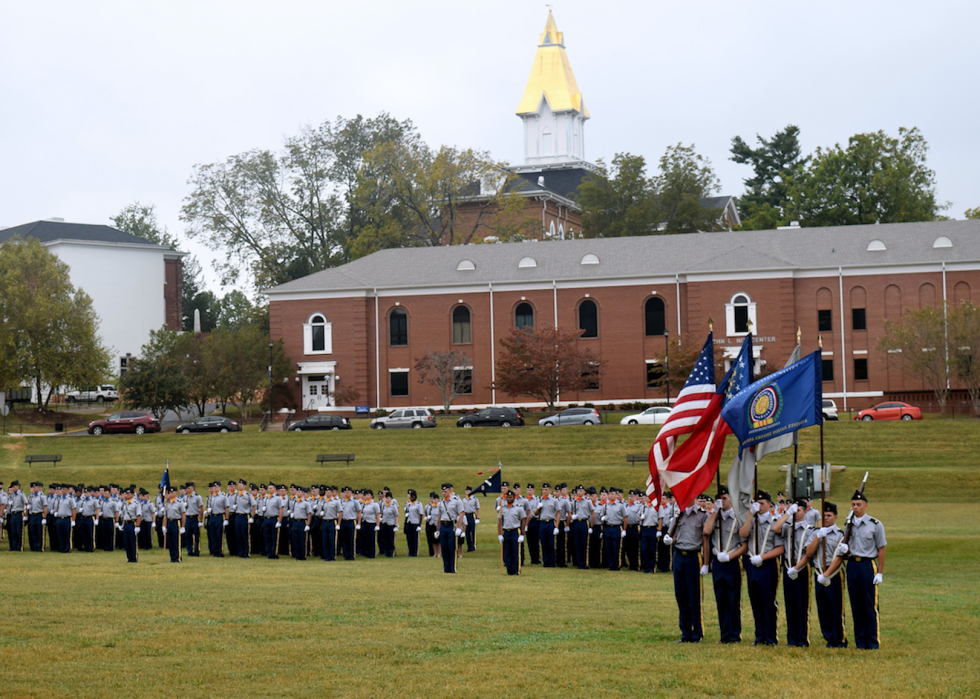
711	324
820	341
798	334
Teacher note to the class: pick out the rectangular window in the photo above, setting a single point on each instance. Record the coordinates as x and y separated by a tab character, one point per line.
399	383
825	322
464	381
655	374
741	319
592	379
859	320
861	369
828	369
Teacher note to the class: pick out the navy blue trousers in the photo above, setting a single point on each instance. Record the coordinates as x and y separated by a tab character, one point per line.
412	535
688	593
727	578
863	595
830	611
648	549
35	532
512	551
796	595
580	543
299	539
328	539
447	542
470	531
86	533
345	543
763	583
129	541
215	533
193	535
64	534
271	534
172	538
612	541
16	540
241	535
546	536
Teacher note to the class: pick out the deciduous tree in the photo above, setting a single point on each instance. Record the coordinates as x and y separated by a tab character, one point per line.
964	340
620	200
543	362
161	378
684	178
773	162
917	344
48	329
450	372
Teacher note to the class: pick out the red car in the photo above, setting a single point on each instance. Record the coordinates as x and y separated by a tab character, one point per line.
894	410
137	421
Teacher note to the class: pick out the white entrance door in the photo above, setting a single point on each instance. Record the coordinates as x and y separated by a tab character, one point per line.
317	391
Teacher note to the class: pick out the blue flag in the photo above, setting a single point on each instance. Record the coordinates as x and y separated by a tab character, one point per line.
786	401
165	479
740	373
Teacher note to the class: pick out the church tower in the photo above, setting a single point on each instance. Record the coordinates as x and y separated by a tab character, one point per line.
552	109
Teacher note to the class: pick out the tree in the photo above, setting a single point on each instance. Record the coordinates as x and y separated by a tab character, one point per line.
161	378
917	343
415	196
242	372
680	359
964	340
236	310
49	330
141	220
619	202
281	216
197	298
876	179
544	362
685	177
973	213
443	370
773	163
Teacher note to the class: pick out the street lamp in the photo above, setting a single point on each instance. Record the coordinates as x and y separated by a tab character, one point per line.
271	345
667	361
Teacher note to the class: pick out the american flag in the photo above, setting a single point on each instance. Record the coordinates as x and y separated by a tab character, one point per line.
689	468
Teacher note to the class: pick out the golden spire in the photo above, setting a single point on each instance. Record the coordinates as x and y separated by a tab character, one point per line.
552	76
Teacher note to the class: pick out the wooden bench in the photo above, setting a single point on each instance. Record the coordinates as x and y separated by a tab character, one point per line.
634	458
42	458
321	458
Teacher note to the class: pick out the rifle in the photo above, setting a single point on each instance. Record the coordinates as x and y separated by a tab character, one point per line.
850	518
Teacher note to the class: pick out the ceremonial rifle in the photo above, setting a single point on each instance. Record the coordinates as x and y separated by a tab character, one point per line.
850	519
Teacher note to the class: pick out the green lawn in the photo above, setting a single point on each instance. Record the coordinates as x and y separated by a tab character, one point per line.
89	625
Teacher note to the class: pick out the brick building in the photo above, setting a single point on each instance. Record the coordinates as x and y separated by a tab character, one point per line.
363	325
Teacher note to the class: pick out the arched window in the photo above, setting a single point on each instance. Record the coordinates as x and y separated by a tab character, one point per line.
317	335
656	317
740	315
398	327
462	332
524	316
588	318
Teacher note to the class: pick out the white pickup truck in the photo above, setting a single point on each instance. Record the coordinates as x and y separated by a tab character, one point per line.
93	394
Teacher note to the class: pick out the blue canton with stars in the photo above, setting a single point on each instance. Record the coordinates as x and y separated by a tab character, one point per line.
739	374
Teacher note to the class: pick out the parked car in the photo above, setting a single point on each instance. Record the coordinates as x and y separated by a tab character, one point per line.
138	421
209	423
492	417
894	410
321	422
829	410
657	415
572	416
405	417
93	394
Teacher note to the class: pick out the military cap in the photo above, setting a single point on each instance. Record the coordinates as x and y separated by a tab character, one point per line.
13	483
412	492
190	484
668	494
602	489
800	503
830	507
34	484
546	485
346	488
763	495
128	490
143	491
113	485
858	495
590	490
529	485
504	484
468	489
241	481
723	490
433	494
232	483
447	486
516	484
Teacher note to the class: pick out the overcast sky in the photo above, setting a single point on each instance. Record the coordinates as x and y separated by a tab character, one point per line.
106	103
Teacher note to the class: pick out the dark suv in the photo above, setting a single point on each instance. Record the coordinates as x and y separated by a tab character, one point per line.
492	417
137	421
321	422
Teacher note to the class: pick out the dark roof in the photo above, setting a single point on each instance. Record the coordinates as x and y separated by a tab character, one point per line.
48	231
715	202
562	181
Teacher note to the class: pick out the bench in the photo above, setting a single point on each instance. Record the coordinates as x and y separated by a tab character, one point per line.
321	458
634	458
42	458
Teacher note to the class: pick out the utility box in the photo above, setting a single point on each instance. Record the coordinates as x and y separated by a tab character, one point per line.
809	480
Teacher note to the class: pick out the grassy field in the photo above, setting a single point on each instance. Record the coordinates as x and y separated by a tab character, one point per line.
88	624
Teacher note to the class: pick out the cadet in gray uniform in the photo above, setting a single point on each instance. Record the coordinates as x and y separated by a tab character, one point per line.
389	525
131	516
614	517
582	519
471	506
273	508
414	512
765	548
244	516
820	547
65	510
37	516
547	513
301	516
88	511
451	523
668	514
173	523
145	538
330	524
510	532
864	551
649	529
16	507
796	588
727	548
689	543
432	525
350	522
531	526
195	506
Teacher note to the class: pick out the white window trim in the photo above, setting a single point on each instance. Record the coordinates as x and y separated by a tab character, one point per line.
730	316
327	335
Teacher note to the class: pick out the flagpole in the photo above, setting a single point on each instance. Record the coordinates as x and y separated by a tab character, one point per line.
824	471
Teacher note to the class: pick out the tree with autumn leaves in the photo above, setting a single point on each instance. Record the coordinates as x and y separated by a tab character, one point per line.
545	362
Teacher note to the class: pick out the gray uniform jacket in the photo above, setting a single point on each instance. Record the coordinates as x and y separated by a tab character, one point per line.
370	512
302	509
512	516
725	536
471	505
615	514
218	504
867	536
414	512
194	505
825	548
350	508
389	513
89	506
548	509
174	510
582	510
769	538
131	510
451	509
244	502
689	533
38	502
17	502
272	506
650	516
331	509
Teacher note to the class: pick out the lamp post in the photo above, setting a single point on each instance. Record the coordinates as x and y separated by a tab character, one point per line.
271	346
667	361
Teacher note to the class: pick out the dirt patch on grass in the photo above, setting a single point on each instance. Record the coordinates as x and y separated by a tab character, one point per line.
15	446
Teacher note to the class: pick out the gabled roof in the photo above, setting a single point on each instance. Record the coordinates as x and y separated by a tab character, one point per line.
562	181
646	257
49	231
